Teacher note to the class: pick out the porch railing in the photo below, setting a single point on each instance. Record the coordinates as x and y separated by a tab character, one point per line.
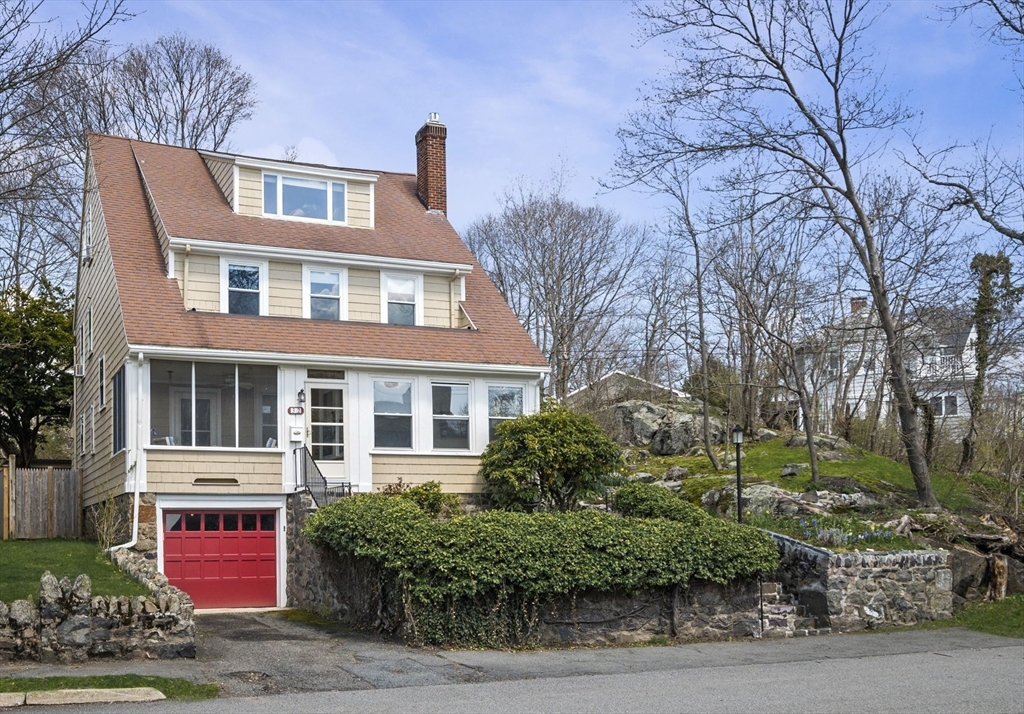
311	479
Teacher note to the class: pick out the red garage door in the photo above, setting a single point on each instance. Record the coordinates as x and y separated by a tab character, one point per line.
222	558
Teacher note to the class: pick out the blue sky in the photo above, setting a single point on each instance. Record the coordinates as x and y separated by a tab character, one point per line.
523	85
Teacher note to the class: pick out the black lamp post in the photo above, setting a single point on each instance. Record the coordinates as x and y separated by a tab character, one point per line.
737	438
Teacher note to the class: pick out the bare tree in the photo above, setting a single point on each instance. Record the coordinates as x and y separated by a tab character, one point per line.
789	82
565	269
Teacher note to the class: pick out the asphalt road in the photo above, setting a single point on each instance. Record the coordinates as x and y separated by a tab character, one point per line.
951	670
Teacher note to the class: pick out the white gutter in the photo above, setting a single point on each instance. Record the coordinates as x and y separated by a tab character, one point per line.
318	256
314	360
135	466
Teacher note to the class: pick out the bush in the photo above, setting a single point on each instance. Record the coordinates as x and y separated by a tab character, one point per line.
549	460
482	579
433	500
644	500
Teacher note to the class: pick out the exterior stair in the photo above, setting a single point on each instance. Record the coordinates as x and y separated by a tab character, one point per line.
782	617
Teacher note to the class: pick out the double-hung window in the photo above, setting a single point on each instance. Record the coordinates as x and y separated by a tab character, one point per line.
392	414
303	198
503	403
243	287
325	293
401	299
450	415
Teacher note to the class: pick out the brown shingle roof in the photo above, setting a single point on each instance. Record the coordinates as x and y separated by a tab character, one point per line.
191	206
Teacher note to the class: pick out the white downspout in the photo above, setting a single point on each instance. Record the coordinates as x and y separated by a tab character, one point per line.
135	466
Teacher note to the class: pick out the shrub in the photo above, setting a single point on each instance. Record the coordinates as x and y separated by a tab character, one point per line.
549	460
482	579
644	500
433	500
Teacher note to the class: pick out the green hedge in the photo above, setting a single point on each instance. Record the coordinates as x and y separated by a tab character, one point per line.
481	579
644	500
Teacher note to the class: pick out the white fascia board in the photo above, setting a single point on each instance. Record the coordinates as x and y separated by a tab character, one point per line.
318	256
308	360
291	168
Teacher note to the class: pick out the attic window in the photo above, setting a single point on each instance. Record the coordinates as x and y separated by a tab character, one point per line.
303	198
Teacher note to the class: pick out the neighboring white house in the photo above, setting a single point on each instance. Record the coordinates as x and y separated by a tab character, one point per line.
248	328
846	366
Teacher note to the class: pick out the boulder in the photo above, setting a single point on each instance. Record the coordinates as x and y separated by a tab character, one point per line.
676	473
635	422
793	469
680	433
674	486
767	435
822	441
644	477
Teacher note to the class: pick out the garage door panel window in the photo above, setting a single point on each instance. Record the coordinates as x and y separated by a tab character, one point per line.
213	405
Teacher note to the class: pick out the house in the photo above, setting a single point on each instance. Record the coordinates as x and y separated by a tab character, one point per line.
618	386
846	366
248	329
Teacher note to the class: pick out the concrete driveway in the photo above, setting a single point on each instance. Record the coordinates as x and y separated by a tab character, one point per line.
259	654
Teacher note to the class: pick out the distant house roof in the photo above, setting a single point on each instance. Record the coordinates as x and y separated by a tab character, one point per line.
192	207
617	383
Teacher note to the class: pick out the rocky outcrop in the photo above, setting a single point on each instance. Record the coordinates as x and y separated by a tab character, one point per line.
667	430
765	499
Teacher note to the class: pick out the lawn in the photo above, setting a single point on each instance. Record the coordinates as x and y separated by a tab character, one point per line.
181	689
1004	618
763	461
23	562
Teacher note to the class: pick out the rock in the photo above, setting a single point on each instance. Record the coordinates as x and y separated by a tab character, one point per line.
644	477
970	573
767	435
635	422
793	469
49	589
23	613
82	590
809	497
74	632
678	433
670	485
1014	577
842	484
820	440
676	473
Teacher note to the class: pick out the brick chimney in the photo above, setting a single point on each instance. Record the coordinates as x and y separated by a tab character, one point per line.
857	304
431	164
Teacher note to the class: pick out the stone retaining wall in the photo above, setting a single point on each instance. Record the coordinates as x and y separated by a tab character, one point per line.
70	625
853	591
351	591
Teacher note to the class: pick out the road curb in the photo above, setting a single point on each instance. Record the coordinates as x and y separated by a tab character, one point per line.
81	696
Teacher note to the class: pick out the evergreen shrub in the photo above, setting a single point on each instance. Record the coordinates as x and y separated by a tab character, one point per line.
549	460
482	579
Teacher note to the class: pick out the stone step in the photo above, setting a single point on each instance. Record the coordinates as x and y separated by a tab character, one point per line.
806	623
771	588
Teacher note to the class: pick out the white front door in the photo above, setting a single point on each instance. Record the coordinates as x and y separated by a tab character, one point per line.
326	430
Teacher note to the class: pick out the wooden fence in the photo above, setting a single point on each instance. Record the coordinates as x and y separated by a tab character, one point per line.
41	503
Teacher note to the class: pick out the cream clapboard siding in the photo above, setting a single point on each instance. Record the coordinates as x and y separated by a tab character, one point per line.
203	281
457	474
358	205
285	290
224	174
174	470
103	473
250	192
364	295
437	306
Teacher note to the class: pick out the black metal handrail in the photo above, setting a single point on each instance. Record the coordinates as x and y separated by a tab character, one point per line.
311	479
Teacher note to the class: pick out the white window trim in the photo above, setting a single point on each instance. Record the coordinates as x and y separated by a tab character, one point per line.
469	417
263	265
87	233
307	177
81	434
418	277
92	428
342	287
413	382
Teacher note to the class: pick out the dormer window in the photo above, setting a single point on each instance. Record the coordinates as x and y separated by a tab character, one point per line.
303	198
402	299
